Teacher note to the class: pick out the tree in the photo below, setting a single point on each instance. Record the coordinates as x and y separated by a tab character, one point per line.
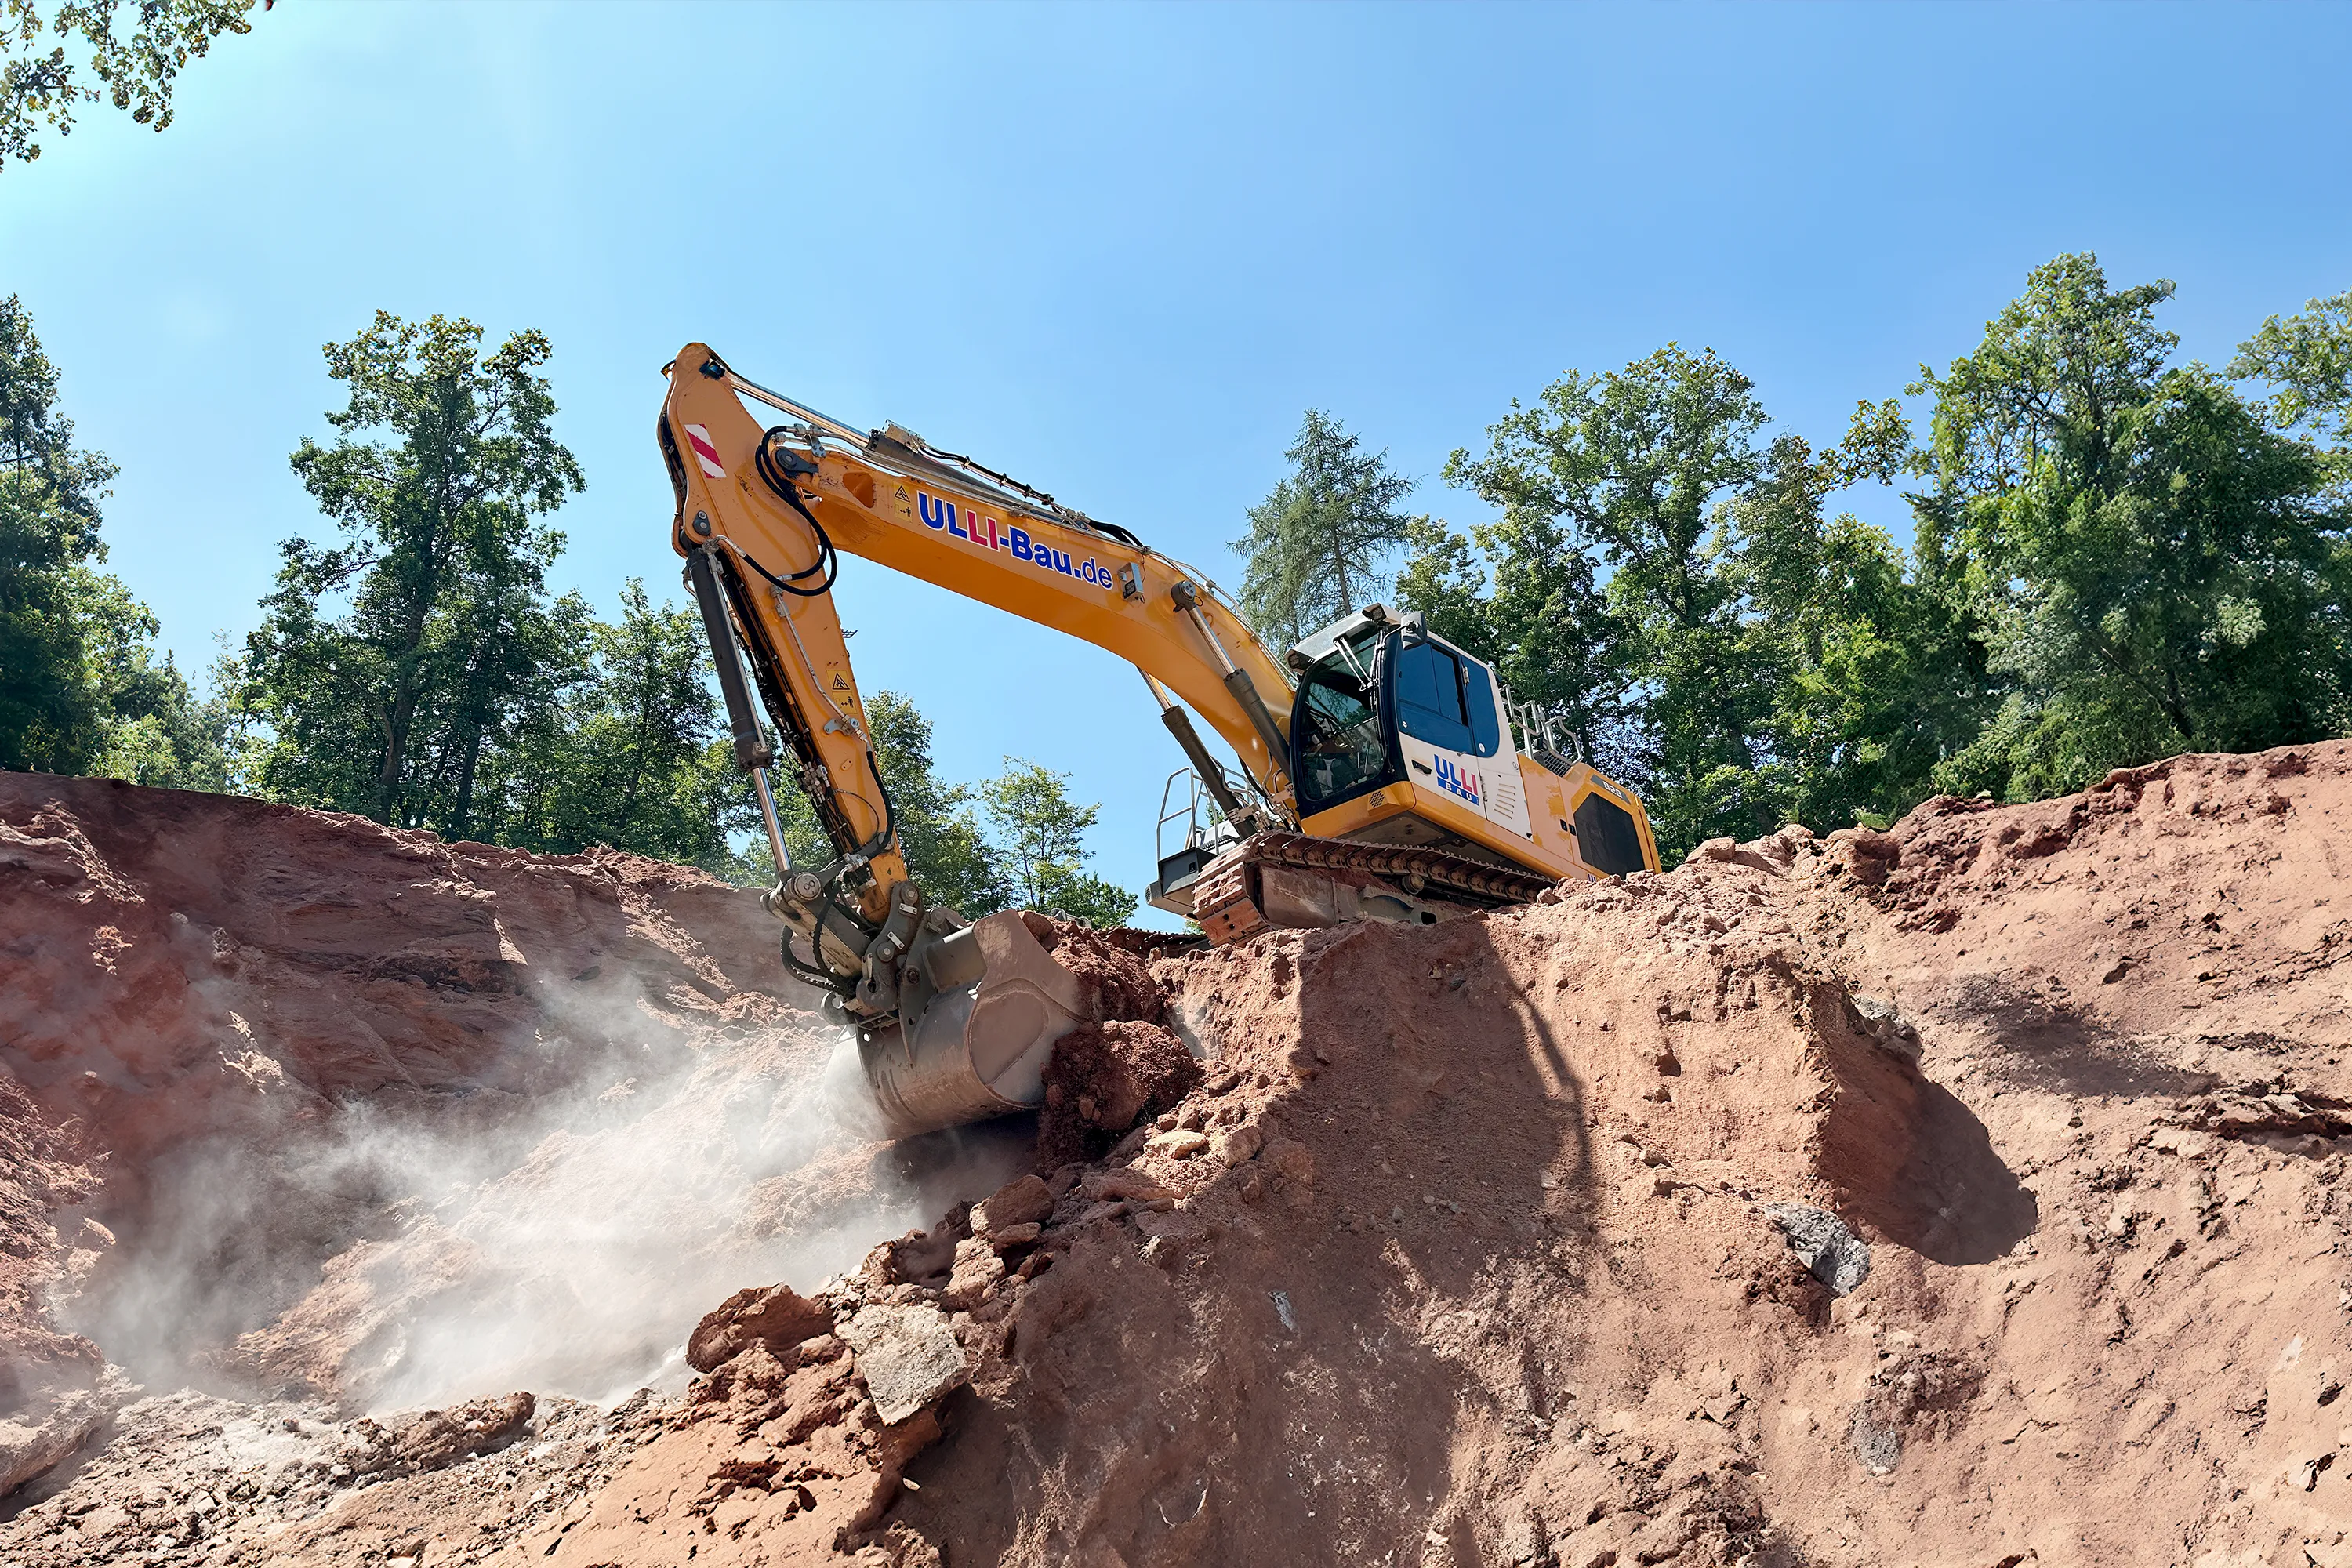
1876	680
49	490
2151	557
2306	359
617	747
49	711
1519	593
152	729
80	687
446	639
946	848
1316	544
135	72
80	684
1041	836
1635	467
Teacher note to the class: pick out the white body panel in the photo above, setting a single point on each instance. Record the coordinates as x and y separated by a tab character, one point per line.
1488	786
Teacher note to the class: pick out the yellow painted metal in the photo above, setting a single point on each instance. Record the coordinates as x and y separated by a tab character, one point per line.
882	502
1551	799
876	515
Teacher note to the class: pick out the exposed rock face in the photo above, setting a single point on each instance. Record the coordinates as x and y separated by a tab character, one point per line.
778	1317
1474	1245
295	1105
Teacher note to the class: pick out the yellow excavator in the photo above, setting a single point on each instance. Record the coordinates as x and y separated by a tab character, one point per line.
1384	775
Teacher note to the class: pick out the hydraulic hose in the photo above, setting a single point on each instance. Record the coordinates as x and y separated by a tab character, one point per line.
779	473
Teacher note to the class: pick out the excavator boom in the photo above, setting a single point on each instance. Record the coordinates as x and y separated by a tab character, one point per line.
955	1020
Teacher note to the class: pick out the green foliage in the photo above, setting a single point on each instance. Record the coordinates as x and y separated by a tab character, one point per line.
2149	556
152	729
80	690
50	491
49	712
1316	544
940	832
1632	470
1040	835
134	72
2118	557
626	753
1519	593
2307	360
447	646
1014	841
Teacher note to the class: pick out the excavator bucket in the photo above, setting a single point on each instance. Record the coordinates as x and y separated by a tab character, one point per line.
972	1038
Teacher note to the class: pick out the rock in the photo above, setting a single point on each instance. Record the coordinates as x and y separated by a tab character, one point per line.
1878	1449
431	1438
908	1356
977	1267
1887	1027
1169	1236
1237	1147
1125	1182
1181	1145
1291	1159
1024	1202
1013	1236
1831	1252
1865	853
777	1317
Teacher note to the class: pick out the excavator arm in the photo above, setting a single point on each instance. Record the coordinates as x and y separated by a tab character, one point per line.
954	1021
1415	790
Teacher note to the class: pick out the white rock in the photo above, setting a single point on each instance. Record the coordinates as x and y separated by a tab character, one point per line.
908	1356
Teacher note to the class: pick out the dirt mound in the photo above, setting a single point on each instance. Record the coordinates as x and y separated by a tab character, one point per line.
298	1106
1965	1193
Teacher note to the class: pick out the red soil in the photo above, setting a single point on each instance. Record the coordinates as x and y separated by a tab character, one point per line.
1470	1244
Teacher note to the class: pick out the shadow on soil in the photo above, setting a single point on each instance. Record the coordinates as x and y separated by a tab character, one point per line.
1273	1396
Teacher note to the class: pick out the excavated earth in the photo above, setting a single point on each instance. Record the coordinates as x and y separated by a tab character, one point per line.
1967	1193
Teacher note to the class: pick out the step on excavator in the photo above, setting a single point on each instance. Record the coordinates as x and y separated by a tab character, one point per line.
1385	774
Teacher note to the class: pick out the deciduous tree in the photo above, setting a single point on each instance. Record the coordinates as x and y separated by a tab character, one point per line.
1635	467
2153	560
387	666
94	62
1040	835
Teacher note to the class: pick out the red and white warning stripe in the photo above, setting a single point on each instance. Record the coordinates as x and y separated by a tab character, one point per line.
698	437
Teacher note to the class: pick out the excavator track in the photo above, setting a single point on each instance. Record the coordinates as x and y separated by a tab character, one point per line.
1231	901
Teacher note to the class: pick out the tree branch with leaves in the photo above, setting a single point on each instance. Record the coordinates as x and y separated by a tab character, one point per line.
128	53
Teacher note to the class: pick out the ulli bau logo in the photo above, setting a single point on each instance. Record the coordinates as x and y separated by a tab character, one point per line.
1457	781
943	516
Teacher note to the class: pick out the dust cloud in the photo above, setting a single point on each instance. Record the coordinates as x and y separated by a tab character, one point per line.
421	1253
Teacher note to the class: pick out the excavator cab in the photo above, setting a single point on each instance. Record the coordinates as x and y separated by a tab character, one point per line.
1399	737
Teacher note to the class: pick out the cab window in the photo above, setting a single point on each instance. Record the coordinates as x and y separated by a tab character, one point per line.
1338	735
1444	700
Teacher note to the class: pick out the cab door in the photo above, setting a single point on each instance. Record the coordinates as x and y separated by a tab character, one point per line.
1449	730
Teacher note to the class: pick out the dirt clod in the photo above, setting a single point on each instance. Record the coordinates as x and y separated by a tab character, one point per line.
777	1317
1102	1079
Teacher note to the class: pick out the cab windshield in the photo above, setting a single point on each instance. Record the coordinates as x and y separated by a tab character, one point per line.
1338	731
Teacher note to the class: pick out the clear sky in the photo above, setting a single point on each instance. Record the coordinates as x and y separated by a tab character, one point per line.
1116	250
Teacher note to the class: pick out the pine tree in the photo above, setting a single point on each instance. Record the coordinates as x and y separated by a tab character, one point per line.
1316	545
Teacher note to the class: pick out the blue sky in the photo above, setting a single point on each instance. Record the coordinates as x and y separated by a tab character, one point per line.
1116	250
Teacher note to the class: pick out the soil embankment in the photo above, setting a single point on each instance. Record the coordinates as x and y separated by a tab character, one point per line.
1965	1194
